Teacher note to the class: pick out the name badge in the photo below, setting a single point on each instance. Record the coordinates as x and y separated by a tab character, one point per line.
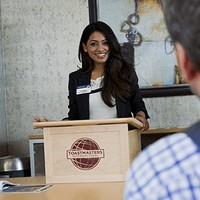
84	89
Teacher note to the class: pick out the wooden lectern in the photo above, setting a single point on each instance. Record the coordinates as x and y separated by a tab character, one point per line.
89	150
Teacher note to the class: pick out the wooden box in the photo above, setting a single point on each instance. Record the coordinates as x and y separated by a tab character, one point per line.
89	153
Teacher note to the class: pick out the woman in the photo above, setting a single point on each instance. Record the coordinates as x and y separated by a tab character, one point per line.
106	86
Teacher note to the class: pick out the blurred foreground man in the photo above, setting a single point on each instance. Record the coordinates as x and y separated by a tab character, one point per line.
170	168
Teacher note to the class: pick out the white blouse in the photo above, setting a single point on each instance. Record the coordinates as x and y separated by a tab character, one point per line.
98	109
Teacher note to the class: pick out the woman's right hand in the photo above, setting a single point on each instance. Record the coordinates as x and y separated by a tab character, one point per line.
38	119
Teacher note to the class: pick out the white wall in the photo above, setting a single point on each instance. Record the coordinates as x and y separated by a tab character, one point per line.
40	49
40	44
170	112
3	139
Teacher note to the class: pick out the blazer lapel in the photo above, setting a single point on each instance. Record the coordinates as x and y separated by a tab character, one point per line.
83	99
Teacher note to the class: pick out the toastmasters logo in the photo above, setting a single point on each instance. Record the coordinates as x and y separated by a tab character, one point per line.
85	153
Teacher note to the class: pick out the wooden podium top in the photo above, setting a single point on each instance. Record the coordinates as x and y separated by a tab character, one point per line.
131	121
149	132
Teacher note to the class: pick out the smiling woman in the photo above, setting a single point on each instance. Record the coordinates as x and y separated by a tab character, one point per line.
105	86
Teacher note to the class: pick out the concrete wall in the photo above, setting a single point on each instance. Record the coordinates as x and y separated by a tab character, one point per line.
40	49
3	139
40	44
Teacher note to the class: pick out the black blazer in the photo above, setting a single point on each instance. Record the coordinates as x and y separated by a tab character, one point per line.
79	104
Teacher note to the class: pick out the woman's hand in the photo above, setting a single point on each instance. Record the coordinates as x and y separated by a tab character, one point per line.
38	119
140	116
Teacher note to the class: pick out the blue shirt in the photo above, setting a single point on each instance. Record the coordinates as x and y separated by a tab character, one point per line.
167	169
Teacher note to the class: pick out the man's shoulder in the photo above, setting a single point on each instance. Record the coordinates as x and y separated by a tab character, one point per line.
168	149
160	168
166	157
167	142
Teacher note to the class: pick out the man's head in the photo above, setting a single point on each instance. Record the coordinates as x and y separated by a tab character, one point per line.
183	22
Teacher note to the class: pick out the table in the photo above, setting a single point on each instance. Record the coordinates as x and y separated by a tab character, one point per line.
75	191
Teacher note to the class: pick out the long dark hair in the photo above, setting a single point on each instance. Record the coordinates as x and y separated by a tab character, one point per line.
119	76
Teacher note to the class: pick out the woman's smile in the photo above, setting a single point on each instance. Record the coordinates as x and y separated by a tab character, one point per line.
101	55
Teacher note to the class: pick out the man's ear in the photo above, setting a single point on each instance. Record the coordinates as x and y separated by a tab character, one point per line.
186	66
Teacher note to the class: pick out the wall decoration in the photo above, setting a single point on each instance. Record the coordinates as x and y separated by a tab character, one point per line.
140	28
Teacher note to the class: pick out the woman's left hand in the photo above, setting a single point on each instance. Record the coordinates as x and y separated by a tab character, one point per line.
144	122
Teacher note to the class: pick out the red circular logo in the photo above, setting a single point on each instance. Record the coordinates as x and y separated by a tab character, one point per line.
85	153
